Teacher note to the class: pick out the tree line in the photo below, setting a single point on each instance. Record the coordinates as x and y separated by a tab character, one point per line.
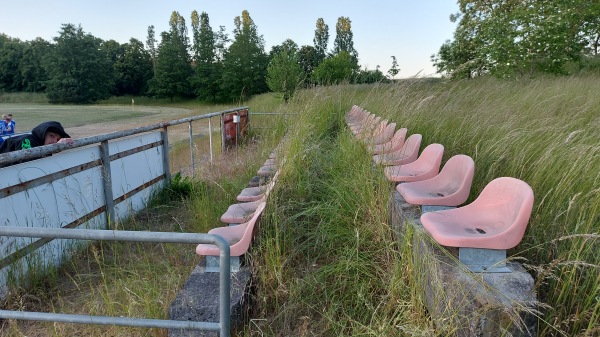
513	39
80	68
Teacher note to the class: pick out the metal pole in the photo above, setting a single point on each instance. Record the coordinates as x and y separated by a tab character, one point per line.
222	133
107	183
192	148
210	140
133	236
165	139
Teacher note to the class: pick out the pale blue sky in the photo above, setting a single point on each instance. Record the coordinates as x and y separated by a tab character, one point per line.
410	30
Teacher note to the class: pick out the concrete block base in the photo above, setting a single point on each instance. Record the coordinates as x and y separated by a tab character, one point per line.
462	303
198	300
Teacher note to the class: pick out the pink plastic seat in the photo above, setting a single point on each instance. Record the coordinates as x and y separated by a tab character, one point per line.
425	167
355	114
394	144
367	127
241	212
252	193
239	236
451	187
366	118
497	219
382	136
407	154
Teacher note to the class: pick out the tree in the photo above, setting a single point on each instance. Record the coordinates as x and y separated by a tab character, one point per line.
308	60
394	70
151	45
335	69
31	67
284	74
517	38
11	52
78	68
369	76
173	66
208	69
344	39
245	62
114	53
321	40
133	70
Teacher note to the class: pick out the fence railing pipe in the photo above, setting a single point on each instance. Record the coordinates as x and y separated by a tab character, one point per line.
108	320
224	325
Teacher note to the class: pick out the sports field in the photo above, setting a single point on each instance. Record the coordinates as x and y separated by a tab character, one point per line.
89	120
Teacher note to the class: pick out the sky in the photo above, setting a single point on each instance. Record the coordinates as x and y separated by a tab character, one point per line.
410	30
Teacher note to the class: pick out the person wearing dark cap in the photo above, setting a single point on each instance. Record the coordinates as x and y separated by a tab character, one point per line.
44	134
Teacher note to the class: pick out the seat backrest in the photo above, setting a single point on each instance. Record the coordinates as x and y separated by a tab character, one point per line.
514	199
412	145
431	156
241	247
457	176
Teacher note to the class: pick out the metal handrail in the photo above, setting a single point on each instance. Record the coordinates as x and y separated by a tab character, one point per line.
224	325
41	151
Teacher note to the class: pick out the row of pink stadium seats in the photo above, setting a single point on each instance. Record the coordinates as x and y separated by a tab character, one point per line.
243	216
497	219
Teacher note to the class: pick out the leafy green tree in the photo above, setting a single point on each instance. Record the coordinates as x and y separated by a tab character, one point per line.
321	40
173	65
284	74
114	52
31	67
308	60
335	70
11	52
133	70
517	38
78	68
209	69
245	62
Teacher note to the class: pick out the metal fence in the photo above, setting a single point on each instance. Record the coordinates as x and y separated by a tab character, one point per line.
83	187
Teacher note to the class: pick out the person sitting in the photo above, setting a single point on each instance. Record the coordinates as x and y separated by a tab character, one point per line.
9	125
44	134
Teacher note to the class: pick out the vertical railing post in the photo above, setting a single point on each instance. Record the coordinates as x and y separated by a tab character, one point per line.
222	133
165	143
107	183
210	140
192	149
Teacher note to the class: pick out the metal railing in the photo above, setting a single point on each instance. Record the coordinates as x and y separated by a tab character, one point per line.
102	157
132	236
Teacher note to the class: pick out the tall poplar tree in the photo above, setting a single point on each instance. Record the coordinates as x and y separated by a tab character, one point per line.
321	40
173	65
208	71
245	62
151	45
344	39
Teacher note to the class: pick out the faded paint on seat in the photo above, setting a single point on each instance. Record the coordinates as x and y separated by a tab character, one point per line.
451	187
425	167
497	219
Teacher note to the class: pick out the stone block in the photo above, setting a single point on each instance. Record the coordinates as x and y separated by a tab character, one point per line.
198	300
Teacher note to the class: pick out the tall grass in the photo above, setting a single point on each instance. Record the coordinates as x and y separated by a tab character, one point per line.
544	131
